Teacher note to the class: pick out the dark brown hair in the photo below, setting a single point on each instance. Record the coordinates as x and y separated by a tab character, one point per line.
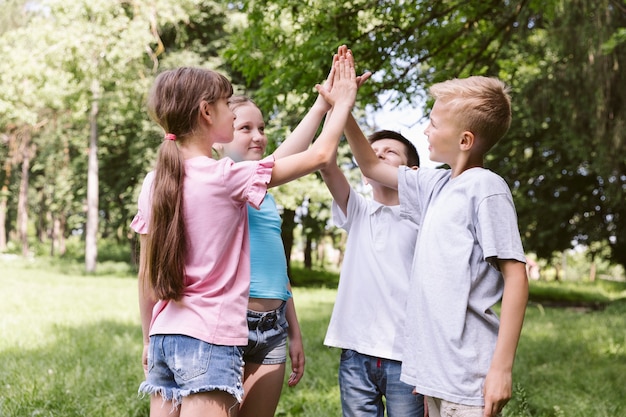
412	156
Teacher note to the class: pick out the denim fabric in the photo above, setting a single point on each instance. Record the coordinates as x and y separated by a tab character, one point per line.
181	365
267	337
365	380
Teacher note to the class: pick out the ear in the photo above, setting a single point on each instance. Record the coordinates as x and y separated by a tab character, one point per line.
206	110
467	141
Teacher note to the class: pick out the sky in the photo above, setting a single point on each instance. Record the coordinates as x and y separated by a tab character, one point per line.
409	122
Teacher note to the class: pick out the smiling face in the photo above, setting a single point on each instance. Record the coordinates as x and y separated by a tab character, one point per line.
249	140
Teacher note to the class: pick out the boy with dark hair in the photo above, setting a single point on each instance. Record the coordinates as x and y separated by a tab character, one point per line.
368	316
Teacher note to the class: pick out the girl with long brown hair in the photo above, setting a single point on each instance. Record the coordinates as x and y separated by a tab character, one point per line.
194	260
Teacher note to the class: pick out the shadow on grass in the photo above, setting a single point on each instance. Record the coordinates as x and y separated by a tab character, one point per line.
92	370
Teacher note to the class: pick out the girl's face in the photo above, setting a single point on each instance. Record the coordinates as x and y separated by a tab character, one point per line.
223	120
249	140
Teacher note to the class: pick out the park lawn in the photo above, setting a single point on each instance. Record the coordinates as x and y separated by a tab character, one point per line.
71	346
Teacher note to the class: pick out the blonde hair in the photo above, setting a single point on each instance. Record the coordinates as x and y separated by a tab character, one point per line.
482	105
174	103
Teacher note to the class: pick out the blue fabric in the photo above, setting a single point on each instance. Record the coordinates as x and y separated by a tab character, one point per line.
268	265
364	381
267	339
180	365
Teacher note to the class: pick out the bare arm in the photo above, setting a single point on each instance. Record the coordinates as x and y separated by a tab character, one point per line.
296	347
498	383
146	301
303	134
337	184
368	162
301	137
342	95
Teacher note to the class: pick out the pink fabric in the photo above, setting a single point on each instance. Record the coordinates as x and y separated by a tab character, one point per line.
214	305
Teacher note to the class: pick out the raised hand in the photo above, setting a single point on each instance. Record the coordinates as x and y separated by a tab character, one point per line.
343	86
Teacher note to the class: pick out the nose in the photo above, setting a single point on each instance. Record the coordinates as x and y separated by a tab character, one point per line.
258	136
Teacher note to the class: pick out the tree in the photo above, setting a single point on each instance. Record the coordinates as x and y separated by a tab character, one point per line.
564	155
80	70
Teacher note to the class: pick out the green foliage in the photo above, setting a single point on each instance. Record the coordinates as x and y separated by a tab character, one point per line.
569	363
564	154
312	278
577	294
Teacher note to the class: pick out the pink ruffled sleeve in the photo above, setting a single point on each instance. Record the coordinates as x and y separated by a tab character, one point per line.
258	187
139	224
141	219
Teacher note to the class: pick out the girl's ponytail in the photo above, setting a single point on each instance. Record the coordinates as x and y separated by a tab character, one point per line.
166	239
174	103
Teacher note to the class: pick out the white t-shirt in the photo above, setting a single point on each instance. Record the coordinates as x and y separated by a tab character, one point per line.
368	315
465	222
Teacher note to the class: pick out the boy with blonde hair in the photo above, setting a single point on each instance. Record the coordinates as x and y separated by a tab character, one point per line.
468	256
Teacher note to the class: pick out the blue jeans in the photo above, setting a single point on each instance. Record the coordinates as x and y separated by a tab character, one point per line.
365	380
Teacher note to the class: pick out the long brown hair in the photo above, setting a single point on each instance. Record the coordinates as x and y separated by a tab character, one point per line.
174	103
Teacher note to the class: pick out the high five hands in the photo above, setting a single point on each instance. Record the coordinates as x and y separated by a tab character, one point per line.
346	54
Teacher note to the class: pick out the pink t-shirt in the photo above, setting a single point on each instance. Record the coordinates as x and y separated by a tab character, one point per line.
217	264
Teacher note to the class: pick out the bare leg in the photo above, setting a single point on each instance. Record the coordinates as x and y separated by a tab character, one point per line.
214	404
262	387
159	408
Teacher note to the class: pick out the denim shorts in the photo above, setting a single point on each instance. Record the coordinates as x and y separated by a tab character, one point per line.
267	337
365	380
180	365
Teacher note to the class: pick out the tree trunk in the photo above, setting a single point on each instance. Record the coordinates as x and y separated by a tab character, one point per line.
4	197
593	268
91	232
286	233
22	201
4	193
308	249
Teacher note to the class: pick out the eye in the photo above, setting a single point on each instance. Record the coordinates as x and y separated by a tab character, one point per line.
262	129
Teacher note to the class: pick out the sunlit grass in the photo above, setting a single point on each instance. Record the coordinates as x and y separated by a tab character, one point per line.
71	346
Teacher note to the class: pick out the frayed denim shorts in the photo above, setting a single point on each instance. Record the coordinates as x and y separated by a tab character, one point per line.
181	365
267	337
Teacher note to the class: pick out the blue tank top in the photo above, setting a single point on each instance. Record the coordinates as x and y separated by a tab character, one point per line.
268	265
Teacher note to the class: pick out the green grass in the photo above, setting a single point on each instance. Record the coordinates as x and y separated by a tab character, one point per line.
71	346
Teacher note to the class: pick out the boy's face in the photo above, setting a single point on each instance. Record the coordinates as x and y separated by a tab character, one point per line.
249	142
443	133
390	151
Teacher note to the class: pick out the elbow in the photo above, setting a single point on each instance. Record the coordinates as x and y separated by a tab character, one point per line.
322	160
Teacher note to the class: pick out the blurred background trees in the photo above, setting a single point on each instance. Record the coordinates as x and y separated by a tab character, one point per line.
75	140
